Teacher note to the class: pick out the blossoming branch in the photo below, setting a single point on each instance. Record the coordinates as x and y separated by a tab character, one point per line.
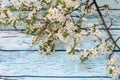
52	23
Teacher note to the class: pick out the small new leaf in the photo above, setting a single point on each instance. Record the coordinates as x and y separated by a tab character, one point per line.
110	71
72	51
65	34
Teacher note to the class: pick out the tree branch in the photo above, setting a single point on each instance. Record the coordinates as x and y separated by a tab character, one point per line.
105	25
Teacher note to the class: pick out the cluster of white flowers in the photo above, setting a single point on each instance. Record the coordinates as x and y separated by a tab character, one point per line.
55	15
70	27
48	1
105	47
93	29
4	12
34	3
71	3
61	38
16	3
84	32
2	7
113	66
89	10
85	54
91	53
31	14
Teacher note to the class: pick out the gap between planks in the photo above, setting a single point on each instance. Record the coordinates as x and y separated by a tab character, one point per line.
59	50
25	29
58	76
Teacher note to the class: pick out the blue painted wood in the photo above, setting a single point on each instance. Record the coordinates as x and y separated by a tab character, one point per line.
27	78
14	40
112	3
31	65
58	64
21	61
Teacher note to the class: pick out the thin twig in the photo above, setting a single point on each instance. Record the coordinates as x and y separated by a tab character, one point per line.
113	48
104	23
111	20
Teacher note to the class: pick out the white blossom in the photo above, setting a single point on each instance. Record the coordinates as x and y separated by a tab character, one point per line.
48	1
71	3
84	19
84	32
68	49
77	47
2	15
89	11
70	27
27	3
113	66
97	32
9	12
61	38
17	4
84	54
55	15
90	25
94	52
2	7
31	14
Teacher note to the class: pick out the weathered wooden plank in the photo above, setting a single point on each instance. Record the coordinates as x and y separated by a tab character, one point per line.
33	78
14	40
112	3
90	19
35	66
58	64
31	65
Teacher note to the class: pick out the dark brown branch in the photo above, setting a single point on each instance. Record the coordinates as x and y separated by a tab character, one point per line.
113	48
91	4
105	25
111	20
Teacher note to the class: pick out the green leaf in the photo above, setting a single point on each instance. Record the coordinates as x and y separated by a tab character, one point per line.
83	60
47	53
29	22
106	6
53	47
40	47
79	22
95	25
110	71
56	22
46	13
13	9
61	2
49	42
72	51
65	34
78	30
110	48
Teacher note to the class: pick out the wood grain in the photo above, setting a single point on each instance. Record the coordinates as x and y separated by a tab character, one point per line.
14	40
21	61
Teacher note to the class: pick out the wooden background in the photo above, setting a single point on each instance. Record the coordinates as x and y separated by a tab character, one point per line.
21	61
